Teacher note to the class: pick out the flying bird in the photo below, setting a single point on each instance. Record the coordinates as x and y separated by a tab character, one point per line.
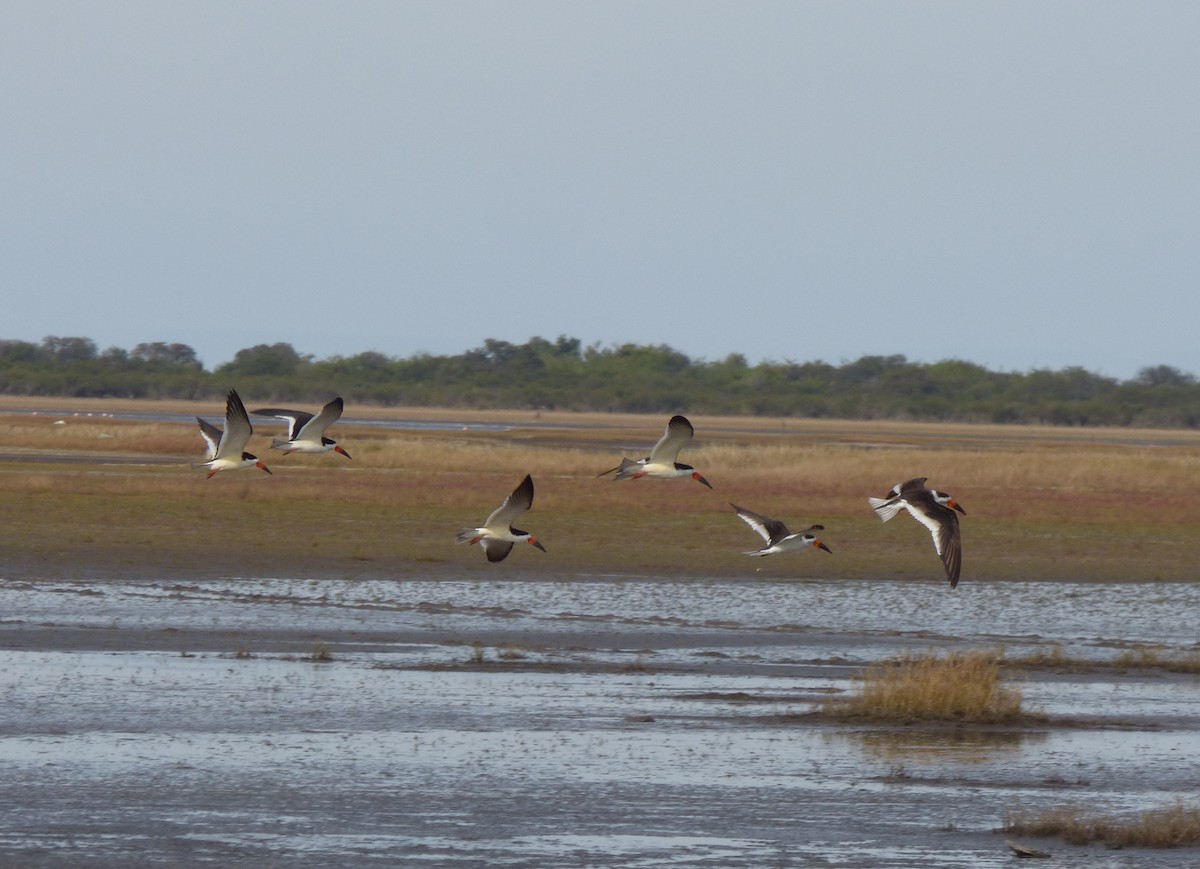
497	535
306	433
227	449
933	509
212	436
661	464
776	535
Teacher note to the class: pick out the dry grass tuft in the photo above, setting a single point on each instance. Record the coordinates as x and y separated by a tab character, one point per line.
960	686
1144	658
1172	827
1055	658
1138	658
1155	658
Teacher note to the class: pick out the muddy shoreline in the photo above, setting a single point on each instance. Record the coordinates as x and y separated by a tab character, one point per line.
455	722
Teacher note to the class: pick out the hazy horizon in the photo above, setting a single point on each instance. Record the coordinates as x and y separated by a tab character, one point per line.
584	345
1013	185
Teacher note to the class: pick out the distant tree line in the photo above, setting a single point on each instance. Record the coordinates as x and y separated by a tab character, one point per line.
564	374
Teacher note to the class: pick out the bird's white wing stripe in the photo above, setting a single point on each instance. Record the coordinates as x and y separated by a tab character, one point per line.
237	428
936	528
514	505
678	432
757	524
212	437
295	425
502	517
327	416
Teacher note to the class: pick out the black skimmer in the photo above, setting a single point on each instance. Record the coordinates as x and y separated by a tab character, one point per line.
227	449
934	510
776	535
661	464
306	433
497	535
212	437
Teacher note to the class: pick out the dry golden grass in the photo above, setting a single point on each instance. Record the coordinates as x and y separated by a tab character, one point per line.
1042	503
1140	658
959	686
1052	658
1172	827
1149	658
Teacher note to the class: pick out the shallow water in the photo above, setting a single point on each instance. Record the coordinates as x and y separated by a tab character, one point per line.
622	723
1078	616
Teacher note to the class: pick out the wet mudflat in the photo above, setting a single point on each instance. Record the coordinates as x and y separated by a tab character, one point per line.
586	722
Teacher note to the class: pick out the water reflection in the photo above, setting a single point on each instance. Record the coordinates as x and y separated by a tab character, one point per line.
931	746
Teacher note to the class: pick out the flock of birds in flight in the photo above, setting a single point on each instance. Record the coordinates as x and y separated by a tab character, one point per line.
937	511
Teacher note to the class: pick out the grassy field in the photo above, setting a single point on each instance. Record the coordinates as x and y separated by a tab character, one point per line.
95	495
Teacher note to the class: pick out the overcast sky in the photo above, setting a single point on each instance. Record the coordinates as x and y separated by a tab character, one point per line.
1012	183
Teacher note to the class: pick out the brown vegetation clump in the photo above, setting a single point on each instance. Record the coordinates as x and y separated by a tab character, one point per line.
1144	658
1138	658
1171	827
960	686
